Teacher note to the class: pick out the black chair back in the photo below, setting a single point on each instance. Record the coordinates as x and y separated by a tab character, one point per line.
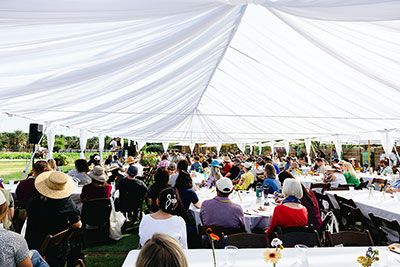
96	212
350	238
292	236
382	224
246	240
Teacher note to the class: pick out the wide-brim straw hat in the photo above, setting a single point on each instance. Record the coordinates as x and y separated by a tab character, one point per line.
98	174
112	167
131	160
227	159
54	184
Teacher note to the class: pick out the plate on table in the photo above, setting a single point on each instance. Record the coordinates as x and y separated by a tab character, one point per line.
395	247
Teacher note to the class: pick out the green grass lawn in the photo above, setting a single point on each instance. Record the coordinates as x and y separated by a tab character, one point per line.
12	169
105	260
112	254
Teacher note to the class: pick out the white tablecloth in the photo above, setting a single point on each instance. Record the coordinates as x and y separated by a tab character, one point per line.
387	207
317	257
248	203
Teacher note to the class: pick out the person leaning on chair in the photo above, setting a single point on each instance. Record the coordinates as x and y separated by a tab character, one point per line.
52	212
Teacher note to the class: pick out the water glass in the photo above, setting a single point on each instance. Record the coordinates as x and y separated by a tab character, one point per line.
383	257
230	254
301	255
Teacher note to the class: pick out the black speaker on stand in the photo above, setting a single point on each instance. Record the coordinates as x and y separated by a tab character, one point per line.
35	134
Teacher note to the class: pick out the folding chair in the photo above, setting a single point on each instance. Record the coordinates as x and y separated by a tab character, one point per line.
350	238
246	240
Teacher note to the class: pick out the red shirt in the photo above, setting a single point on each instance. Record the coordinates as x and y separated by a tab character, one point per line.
91	192
285	216
26	189
227	167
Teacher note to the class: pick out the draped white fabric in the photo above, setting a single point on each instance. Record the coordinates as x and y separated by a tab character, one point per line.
307	142
242	147
82	142
165	146
338	145
101	146
217	71
287	147
140	145
388	141
51	134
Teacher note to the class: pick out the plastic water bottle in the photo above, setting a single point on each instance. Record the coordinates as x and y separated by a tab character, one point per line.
266	190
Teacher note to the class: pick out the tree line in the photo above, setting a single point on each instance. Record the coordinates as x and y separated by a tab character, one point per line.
17	141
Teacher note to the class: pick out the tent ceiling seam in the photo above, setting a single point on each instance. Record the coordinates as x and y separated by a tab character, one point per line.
234	30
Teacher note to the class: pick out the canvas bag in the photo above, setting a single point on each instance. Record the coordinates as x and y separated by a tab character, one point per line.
117	219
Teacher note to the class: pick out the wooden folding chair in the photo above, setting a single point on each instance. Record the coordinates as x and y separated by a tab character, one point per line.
381	224
217	230
96	212
292	236
322	186
350	238
51	241
246	240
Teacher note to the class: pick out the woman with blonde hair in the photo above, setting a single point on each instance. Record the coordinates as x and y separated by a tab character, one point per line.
161	250
349	173
53	165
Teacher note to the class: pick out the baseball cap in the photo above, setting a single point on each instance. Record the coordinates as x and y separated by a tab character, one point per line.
96	158
247	165
172	166
224	185
132	171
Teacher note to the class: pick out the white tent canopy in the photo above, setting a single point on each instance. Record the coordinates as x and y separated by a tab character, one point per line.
203	71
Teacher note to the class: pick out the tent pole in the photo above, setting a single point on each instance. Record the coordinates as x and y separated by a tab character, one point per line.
330	158
369	154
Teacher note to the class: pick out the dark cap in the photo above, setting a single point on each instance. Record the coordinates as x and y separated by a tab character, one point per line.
132	171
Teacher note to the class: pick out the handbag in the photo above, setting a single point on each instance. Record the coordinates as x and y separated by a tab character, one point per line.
117	220
189	217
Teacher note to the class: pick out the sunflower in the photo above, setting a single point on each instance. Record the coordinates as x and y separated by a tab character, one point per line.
272	255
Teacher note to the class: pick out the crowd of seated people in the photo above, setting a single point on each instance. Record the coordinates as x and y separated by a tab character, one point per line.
46	194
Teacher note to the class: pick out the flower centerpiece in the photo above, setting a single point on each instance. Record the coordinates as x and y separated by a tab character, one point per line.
382	187
275	254
370	257
213	237
371	190
236	189
148	160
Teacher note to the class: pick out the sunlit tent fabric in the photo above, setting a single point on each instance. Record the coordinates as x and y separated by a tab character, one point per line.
203	71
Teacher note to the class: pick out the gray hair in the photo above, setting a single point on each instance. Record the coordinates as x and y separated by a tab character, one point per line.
292	187
269	170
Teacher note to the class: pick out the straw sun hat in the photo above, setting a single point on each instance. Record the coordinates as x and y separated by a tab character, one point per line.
54	184
131	160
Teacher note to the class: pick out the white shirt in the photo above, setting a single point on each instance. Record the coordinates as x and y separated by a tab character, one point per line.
339	180
113	143
140	168
174	226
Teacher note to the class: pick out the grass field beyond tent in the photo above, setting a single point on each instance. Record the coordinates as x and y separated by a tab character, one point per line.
12	169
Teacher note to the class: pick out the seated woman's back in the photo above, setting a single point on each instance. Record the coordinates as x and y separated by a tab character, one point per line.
290	213
163	221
